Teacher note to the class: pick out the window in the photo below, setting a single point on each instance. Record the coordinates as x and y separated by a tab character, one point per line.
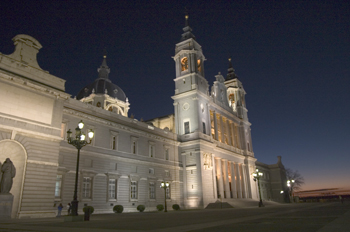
204	129
151	171
224	126
184	64
112	189
114	143
199	65
167	192
218	122
152	192
86	187
166	153
134	145
114	140
167	173
212	124
152	149
58	187
133	190
187	127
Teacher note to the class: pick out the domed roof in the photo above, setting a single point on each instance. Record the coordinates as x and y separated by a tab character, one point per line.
102	85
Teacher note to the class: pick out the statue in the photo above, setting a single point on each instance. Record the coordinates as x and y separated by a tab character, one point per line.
8	171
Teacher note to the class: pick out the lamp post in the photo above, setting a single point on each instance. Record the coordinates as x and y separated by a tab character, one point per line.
79	142
165	185
290	185
257	175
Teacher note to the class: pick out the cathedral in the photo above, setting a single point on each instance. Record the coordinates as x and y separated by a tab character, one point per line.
203	150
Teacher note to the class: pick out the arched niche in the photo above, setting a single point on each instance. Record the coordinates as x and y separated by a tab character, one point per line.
18	155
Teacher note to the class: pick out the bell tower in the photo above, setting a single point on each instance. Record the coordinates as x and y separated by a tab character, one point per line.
191	87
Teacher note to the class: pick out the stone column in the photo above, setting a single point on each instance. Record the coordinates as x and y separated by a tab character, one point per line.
233	179
219	177
244	182
239	185
226	180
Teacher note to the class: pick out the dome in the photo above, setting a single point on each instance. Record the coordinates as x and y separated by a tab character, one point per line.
102	85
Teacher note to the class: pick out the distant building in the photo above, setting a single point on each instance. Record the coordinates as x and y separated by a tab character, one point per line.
204	150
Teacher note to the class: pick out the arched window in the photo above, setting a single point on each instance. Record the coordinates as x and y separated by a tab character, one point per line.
199	65
184	64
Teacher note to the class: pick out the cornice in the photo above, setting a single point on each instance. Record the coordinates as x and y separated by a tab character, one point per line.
118	126
24	83
151	163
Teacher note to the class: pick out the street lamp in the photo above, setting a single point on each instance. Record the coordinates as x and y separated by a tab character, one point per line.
257	175
79	142
290	185
165	185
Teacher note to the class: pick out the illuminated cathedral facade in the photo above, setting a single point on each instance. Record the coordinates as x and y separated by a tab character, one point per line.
203	150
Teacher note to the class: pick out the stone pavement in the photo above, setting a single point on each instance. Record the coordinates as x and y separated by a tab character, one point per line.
322	217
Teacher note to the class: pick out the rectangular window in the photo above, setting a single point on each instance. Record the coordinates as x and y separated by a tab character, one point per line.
167	173
134	145
58	187
212	124
133	190
236	137
114	143
152	150
114	140
218	123
167	192
204	129
152	192
166	153
187	127
112	189
151	171
87	187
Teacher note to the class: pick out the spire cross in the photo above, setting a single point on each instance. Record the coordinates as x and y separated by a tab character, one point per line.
186	17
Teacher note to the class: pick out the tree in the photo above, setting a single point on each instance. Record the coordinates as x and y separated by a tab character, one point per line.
297	177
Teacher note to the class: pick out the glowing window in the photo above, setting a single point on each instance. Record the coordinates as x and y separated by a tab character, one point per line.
199	65
184	64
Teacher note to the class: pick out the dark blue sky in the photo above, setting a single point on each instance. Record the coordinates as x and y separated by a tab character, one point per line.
293	58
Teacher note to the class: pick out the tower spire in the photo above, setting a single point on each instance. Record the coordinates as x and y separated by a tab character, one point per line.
186	17
187	29
104	70
230	71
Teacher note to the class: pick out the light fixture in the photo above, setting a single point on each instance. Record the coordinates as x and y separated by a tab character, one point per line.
81	125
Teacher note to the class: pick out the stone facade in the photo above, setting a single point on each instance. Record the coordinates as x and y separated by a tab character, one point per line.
204	150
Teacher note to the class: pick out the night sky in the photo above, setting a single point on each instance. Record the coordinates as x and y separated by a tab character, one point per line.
293	58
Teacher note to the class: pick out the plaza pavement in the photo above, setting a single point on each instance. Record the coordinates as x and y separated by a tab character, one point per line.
321	217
